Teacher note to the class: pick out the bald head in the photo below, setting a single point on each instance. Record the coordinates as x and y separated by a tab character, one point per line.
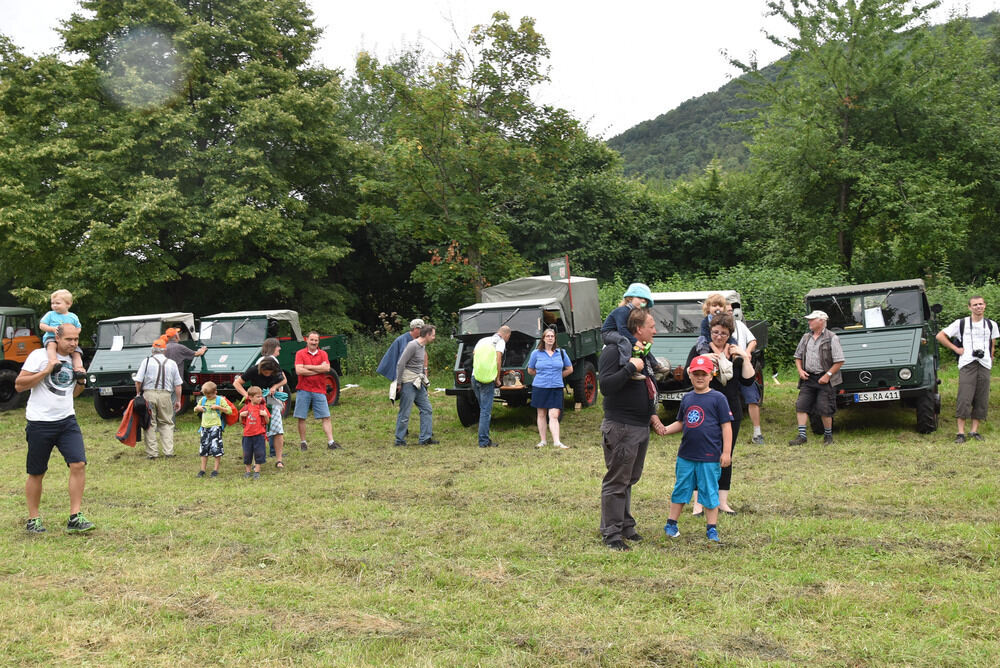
67	338
504	332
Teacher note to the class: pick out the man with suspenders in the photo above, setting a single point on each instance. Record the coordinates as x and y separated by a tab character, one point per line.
155	379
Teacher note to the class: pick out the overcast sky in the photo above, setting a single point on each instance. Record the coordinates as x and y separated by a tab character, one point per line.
613	64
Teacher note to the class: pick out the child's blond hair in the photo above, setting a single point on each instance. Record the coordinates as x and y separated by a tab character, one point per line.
208	388
714	299
254	391
66	296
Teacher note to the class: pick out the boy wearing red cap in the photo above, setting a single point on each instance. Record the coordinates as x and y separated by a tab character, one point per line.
706	446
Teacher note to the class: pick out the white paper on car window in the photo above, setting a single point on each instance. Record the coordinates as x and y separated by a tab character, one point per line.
117	342
873	317
205	333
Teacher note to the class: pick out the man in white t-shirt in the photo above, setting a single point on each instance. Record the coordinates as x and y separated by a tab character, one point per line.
488	352
752	394
977	337
52	423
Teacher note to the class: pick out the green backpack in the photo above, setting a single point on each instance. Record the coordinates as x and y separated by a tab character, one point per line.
484	363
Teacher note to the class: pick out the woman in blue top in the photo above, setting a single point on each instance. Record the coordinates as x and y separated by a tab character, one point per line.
549	365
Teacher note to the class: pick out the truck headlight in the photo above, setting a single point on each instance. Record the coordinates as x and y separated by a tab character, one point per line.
93	379
905	374
194	379
461	378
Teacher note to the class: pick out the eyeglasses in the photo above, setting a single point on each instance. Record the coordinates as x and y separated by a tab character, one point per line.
722	334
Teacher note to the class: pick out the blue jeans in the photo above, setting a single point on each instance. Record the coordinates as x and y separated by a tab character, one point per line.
411	395
484	395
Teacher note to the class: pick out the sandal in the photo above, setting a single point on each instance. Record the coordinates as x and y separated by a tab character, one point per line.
279	465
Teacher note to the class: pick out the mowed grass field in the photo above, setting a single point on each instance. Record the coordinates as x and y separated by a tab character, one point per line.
880	550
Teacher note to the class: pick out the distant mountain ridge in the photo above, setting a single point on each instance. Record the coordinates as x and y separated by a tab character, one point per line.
684	140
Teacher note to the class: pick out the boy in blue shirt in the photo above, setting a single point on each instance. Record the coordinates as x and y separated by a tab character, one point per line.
706	446
60	300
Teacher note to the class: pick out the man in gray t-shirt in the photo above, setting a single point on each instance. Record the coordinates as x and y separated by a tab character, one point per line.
411	388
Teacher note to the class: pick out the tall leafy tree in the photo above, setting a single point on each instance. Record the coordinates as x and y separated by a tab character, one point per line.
855	146
189	158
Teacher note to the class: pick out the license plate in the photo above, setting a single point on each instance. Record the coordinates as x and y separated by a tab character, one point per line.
496	391
672	396
881	395
105	391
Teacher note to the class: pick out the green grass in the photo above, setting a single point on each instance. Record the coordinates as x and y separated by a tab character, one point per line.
880	550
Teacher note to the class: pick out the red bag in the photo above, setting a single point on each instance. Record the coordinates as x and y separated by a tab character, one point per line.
234	414
128	430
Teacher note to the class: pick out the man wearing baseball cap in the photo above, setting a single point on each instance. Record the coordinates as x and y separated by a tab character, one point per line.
178	352
818	359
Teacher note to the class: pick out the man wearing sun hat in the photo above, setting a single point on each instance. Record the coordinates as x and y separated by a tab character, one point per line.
818	359
387	367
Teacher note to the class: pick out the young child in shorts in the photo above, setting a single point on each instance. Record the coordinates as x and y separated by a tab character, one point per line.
706	446
60	300
254	416
212	407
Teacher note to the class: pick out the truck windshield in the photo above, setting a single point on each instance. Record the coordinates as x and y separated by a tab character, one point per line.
141	333
677	318
244	332
877	309
526	320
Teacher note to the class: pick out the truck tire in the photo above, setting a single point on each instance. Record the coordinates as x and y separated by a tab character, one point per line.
927	413
816	422
468	410
332	388
585	389
9	397
110	408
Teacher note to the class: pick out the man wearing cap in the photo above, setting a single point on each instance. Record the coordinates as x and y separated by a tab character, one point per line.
977	340
818	359
629	412
157	380
387	367
177	351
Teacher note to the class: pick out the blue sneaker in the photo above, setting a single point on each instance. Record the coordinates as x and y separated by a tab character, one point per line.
712	534
672	530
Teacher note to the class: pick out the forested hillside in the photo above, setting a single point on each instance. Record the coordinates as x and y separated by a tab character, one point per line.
682	142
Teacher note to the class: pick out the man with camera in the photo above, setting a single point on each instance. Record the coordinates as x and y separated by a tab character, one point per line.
973	339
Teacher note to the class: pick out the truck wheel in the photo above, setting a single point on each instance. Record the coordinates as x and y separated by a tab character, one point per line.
109	408
468	410
927	417
332	388
585	389
816	422
9	397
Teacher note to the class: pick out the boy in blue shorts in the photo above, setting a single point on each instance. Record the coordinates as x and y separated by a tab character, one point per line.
706	446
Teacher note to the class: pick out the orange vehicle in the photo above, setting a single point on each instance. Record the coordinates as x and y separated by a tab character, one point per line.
19	335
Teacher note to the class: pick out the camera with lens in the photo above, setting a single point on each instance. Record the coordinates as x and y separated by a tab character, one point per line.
978	354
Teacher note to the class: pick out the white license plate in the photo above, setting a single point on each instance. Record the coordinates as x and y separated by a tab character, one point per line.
105	391
672	396
882	395
496	391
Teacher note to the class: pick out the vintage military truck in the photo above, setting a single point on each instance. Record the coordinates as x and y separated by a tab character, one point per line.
529	305
887	331
678	323
19	335
234	341
122	344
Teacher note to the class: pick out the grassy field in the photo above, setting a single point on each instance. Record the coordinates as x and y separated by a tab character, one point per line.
880	550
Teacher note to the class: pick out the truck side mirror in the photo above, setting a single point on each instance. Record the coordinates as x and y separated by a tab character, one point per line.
794	323
936	308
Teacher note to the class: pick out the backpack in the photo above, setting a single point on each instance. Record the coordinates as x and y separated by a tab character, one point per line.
959	340
484	363
227	420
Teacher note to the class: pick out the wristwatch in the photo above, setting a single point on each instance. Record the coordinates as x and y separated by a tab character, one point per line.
829	374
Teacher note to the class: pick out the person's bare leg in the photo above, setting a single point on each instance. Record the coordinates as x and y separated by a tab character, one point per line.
554	424
696	508
540	423
77	479
327	429
33	493
302	429
712	515
279	446
754	410
675	511
723	500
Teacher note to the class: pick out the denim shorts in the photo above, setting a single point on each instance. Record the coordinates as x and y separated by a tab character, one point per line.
316	400
42	436
253	449
751	393
703	476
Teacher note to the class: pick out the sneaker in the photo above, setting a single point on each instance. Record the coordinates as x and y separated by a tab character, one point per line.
80	524
672	530
635	538
758	439
247	475
430	441
34	525
214	474
977	436
332	445
540	444
256	475
561	446
828	439
201	474
798	440
303	446
617	545
400	444
712	534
